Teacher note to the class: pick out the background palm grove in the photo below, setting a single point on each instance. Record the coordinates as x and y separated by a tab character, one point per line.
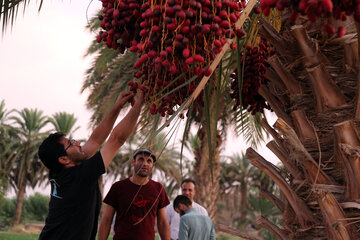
218	65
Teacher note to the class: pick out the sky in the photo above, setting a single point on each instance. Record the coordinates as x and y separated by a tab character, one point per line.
41	59
42	64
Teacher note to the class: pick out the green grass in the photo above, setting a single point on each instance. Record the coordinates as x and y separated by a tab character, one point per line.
16	236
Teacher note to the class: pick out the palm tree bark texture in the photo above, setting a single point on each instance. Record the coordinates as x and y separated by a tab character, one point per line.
313	88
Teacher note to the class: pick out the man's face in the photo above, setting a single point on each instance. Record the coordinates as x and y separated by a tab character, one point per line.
143	165
181	209
74	150
188	189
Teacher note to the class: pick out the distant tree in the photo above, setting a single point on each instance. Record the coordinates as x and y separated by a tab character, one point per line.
36	208
64	122
8	144
240	184
27	169
7	211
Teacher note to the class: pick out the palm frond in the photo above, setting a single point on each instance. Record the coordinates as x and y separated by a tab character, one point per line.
64	122
9	10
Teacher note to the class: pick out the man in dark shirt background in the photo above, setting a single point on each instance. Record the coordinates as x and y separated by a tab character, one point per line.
74	172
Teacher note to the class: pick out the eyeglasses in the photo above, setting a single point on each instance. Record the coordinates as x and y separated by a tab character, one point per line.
71	142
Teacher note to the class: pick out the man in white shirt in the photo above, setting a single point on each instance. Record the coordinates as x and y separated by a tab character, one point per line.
187	189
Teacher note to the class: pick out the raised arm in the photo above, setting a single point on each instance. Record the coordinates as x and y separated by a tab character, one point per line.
105	224
163	225
121	132
102	131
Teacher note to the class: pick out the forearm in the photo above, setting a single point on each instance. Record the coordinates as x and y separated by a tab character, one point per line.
104	230
164	231
126	126
102	131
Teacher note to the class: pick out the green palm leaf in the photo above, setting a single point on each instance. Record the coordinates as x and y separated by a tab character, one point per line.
9	10
64	122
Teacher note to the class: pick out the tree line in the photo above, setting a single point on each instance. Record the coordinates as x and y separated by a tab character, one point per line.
21	132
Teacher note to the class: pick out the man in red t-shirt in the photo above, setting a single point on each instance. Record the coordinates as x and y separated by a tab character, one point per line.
137	201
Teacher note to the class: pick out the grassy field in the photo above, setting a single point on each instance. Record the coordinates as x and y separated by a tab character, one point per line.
17	236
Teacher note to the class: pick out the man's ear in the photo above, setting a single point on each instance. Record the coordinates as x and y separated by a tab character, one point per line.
132	162
64	160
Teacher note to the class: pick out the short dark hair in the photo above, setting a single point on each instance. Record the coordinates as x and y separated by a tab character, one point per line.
50	150
183	200
188	180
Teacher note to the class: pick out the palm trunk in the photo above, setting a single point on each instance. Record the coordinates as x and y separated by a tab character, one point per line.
316	136
20	201
243	201
206	170
207	174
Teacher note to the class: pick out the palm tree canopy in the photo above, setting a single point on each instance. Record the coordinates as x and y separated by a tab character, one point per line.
64	122
30	121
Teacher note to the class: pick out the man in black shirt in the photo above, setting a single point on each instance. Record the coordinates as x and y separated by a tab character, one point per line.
74	172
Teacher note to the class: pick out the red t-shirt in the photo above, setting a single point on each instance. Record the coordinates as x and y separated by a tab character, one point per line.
132	206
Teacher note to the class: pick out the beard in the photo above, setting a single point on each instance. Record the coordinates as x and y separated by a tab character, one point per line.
140	172
77	158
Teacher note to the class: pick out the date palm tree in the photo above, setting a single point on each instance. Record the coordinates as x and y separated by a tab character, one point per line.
27	168
240	184
111	71
313	88
8	143
64	122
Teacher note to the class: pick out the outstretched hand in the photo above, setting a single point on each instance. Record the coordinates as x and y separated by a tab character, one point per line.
140	96
126	96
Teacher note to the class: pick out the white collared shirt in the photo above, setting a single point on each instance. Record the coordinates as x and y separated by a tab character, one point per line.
174	218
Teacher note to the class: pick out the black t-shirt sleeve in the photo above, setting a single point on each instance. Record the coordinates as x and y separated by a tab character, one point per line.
93	167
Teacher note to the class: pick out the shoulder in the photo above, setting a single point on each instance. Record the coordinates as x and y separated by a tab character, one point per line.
170	206
120	183
200	208
188	216
170	209
154	184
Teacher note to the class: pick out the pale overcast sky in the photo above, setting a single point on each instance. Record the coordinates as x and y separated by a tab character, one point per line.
41	59
42	64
